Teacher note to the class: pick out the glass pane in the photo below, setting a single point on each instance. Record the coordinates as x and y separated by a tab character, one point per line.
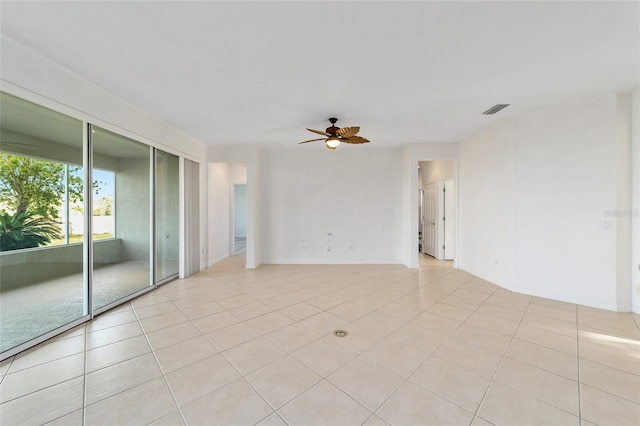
121	173
104	224
41	274
167	215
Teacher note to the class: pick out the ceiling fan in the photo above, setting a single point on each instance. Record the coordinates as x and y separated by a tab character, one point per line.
336	135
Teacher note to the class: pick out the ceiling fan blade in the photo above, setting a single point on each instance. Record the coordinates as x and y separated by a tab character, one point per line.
354	140
312	140
347	132
320	132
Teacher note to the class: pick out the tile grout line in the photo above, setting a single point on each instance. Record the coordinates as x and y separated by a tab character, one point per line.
503	355
242	376
474	414
164	377
325	310
430	355
51	385
7	370
84	378
551	372
577	314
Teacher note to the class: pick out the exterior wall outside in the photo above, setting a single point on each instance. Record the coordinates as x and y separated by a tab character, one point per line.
52	262
132	205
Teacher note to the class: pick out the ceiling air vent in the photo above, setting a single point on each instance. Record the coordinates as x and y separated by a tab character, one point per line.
495	109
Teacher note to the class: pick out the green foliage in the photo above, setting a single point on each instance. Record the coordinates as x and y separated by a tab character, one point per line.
38	186
103	206
32	185
25	230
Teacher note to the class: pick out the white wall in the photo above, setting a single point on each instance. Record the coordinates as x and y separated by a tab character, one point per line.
356	195
238	173
623	202
33	77
534	195
433	171
485	205
565	180
635	211
219	235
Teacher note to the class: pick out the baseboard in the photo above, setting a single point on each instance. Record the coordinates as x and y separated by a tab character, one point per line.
329	262
218	259
598	304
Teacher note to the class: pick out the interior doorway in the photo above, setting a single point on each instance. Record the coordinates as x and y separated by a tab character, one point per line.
436	217
227	187
239	228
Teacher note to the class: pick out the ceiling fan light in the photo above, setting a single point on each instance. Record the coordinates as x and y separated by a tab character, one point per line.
332	142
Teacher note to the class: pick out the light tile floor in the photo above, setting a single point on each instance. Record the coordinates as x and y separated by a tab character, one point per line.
233	346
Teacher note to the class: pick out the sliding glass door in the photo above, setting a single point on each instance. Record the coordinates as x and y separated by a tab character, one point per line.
41	223
121	255
167	221
88	219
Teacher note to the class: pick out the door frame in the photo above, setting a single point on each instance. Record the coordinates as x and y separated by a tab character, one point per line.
445	222
411	162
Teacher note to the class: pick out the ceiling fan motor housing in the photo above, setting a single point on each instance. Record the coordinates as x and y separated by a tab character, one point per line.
333	129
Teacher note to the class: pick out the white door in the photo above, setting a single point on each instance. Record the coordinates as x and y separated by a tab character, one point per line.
429	233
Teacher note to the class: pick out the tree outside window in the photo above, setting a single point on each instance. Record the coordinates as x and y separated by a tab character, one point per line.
32	195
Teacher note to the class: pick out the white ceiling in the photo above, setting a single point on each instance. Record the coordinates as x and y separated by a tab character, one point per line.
260	72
